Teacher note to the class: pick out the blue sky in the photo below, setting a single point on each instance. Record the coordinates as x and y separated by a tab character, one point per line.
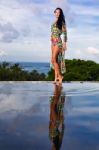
25	29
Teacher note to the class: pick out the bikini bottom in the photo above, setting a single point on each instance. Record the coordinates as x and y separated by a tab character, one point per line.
57	41
59	44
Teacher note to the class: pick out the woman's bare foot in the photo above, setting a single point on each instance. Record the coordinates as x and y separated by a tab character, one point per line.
60	79
55	81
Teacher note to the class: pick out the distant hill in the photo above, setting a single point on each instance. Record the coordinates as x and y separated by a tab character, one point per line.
79	70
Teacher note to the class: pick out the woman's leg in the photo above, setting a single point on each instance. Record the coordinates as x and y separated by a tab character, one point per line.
52	61
56	50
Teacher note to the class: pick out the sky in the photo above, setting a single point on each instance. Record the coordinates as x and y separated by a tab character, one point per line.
25	29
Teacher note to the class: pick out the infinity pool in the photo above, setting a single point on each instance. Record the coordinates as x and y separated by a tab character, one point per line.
43	116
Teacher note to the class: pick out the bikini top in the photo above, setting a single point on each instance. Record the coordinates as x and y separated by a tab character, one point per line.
56	32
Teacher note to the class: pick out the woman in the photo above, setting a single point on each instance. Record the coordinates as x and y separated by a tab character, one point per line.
57	45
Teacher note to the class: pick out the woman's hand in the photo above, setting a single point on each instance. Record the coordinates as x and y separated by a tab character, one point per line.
64	46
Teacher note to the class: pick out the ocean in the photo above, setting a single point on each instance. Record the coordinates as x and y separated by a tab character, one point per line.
41	67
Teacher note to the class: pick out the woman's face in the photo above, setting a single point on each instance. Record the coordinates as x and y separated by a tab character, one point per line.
57	13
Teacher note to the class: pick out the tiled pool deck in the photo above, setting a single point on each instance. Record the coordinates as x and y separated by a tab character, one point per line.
37	115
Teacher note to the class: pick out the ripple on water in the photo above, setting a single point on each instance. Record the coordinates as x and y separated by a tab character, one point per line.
39	88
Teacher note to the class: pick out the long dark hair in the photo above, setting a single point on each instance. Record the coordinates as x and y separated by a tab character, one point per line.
61	19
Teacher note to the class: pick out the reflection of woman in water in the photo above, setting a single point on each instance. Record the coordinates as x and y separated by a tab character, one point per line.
58	47
56	124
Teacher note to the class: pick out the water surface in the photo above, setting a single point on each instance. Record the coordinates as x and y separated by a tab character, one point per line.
42	116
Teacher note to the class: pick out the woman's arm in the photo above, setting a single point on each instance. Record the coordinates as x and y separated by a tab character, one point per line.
64	32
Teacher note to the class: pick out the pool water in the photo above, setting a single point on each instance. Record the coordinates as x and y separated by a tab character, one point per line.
43	116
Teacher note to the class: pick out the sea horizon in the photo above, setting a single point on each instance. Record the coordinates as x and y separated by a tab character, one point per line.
41	67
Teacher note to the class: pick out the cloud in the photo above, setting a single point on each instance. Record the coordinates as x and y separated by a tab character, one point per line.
9	33
78	54
25	28
2	53
92	50
85	10
29	20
